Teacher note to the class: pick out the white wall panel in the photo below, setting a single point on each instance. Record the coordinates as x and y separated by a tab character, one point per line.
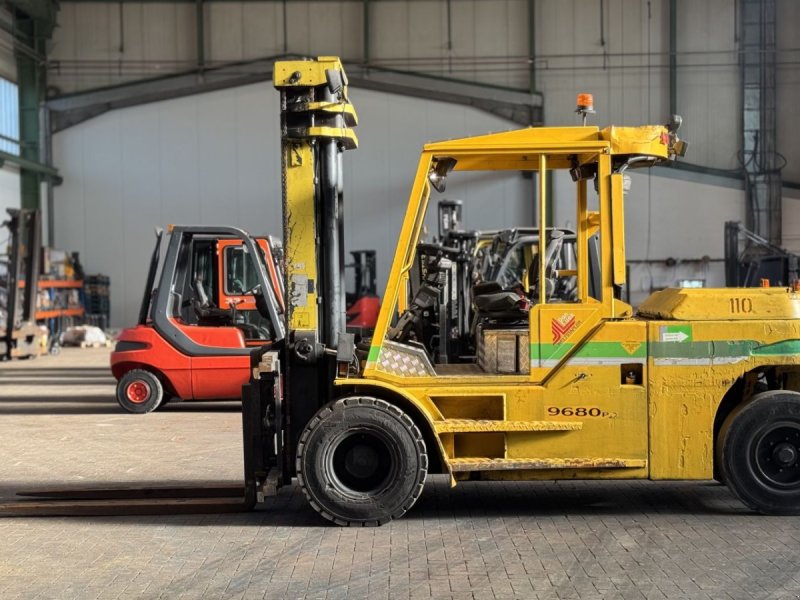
9	190
708	96
214	158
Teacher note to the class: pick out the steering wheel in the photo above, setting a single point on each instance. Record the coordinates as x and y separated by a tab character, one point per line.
236	286
551	255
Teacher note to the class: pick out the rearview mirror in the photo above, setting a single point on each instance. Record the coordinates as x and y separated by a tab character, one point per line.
438	173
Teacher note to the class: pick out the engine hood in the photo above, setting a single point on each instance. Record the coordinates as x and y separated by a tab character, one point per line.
740	304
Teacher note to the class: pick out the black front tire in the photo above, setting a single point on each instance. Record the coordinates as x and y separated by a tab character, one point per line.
759	452
139	391
361	461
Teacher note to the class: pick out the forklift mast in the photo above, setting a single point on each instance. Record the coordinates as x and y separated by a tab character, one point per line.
316	121
316	128
22	337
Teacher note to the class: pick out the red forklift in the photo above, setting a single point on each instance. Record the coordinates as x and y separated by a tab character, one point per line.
213	304
362	301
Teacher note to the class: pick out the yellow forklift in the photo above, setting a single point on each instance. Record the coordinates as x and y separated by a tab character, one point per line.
696	384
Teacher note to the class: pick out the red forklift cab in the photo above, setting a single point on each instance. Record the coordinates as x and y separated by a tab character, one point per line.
196	329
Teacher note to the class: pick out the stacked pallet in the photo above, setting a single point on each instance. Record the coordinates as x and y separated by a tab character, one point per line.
97	300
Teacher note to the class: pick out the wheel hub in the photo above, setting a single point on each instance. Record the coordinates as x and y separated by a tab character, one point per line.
785	454
362	462
777	456
138	391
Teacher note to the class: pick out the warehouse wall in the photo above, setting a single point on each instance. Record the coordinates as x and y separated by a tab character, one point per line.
130	170
214	159
788	89
622	59
8	66
9	193
9	175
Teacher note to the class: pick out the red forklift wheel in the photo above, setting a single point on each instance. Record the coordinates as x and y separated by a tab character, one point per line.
139	391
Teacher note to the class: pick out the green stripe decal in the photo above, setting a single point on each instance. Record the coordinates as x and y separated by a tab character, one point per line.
374	351
787	347
684	349
677	350
588	350
718	349
611	350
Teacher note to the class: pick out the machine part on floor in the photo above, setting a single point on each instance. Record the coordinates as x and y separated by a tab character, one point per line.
21	337
260	441
749	259
198	324
159	499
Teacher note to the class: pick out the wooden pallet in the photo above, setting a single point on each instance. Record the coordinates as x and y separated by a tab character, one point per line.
106	344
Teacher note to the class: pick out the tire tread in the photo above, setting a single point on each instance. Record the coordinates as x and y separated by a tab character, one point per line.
331	408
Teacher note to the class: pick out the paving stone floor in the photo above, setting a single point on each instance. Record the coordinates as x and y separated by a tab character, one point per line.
59	423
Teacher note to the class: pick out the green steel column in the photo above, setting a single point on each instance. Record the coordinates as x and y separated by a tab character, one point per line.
532	45
32	82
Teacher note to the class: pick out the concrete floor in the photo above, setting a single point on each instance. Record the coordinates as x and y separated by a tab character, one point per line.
60	424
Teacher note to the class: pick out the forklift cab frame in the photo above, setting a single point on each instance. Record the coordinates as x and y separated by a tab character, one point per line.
589	154
168	301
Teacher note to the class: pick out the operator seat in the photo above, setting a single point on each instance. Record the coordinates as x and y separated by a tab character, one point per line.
494	303
207	312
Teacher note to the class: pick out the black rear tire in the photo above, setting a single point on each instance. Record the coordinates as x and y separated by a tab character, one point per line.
139	391
361	461
760	453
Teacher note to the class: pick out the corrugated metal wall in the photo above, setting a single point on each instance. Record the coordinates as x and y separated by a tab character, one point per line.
214	158
8	66
623	58
788	86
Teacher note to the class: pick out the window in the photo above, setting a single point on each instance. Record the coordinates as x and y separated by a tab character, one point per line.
9	117
240	271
